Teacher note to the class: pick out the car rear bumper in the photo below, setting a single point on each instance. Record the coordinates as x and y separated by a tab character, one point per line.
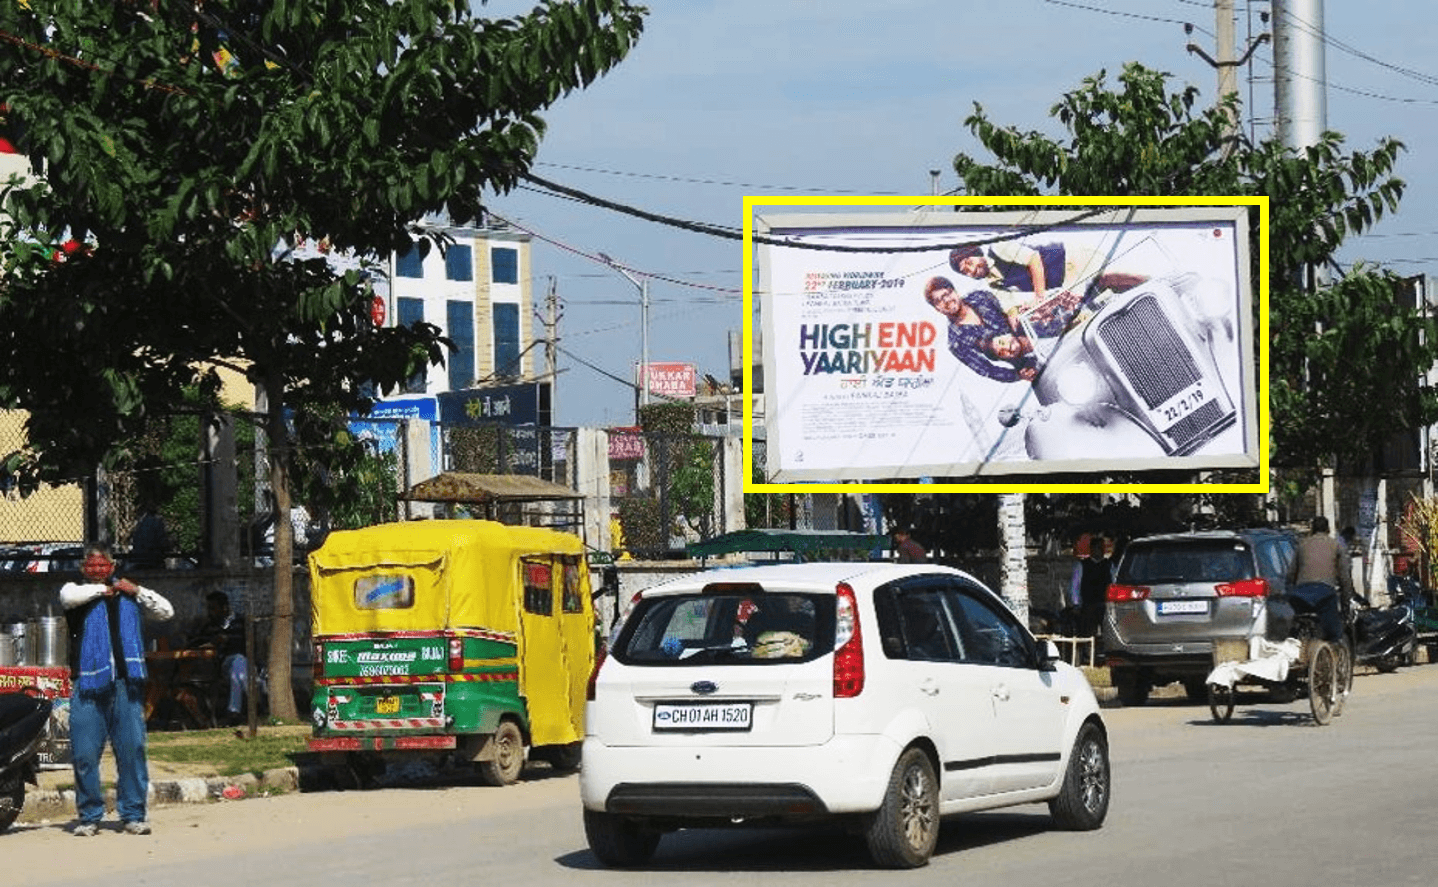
848	774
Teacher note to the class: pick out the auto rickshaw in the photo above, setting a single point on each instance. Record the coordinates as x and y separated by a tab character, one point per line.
466	639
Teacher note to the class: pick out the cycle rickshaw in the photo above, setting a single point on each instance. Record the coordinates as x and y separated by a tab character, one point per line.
1302	664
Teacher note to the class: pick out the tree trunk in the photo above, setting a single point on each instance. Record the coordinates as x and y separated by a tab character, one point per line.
282	624
1013	551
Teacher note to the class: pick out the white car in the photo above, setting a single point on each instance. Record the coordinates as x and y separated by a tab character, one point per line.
878	696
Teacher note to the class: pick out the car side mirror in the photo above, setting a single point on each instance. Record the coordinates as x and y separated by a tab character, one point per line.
1048	656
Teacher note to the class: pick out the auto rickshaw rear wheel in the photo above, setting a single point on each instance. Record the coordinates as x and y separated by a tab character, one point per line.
508	761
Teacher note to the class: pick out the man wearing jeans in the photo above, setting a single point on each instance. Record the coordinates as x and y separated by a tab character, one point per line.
1320	569
107	663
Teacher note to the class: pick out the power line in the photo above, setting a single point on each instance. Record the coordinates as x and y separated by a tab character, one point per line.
1151	18
695	181
731	234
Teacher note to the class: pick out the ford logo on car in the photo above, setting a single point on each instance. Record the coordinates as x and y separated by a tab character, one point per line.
704	688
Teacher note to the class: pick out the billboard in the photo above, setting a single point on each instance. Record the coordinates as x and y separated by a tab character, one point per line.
380	429
1017	343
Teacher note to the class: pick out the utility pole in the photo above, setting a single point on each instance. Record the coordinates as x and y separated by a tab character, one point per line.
1300	106
551	344
1226	65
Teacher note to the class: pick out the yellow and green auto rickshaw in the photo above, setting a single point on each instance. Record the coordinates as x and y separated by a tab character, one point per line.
466	638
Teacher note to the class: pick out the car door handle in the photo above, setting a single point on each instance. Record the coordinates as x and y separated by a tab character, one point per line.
1001	693
929	687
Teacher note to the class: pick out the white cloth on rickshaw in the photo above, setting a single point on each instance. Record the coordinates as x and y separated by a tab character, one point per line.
1267	661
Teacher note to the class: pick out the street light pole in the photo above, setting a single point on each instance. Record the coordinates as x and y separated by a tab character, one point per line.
643	286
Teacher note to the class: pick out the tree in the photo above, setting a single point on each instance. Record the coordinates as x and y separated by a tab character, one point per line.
181	148
1336	350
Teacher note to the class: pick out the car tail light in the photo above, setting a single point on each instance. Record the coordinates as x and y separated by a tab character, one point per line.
456	654
599	656
1243	588
317	664
1118	594
848	645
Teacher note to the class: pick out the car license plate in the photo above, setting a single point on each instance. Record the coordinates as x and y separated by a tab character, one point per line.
386	705
703	716
1171	608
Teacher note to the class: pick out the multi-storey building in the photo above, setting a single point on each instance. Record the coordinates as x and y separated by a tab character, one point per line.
477	289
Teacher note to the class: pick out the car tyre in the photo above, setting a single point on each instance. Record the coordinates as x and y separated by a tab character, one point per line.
1132	689
902	833
563	758
1082	803
619	842
12	801
508	761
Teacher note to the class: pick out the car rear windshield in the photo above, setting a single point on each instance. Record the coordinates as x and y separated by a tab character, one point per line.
758	628
1198	560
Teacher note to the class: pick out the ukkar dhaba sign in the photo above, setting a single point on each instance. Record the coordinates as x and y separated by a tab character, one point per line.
973	344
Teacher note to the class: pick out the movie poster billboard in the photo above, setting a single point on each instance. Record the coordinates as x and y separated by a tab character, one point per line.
938	344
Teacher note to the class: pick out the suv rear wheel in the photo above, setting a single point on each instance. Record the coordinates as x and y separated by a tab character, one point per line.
618	841
1132	686
903	832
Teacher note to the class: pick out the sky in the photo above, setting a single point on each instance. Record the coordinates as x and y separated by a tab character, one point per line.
726	98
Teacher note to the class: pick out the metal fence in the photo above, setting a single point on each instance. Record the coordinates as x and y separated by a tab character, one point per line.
190	484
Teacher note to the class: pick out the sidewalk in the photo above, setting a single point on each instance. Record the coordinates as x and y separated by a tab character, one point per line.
170	783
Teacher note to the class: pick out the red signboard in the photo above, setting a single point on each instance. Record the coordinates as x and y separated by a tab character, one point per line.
672	379
625	444
377	310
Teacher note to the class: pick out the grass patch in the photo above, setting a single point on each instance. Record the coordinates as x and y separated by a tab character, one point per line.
228	753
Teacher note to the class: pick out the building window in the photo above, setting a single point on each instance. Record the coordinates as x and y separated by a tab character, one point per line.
506	339
409	311
506	264
409	263
459	262
459	326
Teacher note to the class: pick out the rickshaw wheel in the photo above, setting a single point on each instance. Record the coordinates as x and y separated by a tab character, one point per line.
1220	702
508	761
1323	682
1344	654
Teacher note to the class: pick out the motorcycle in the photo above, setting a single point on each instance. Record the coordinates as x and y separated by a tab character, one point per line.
1383	637
23	719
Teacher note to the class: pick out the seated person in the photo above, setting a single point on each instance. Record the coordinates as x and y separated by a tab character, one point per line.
224	632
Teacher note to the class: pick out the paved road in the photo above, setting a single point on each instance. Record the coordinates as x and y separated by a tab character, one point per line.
1269	798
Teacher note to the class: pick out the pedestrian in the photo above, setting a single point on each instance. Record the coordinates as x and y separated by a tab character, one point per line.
906	550
1094	574
224	633
107	667
1319	570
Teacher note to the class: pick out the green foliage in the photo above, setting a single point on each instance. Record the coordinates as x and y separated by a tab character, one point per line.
181	171
341	482
188	147
1334	352
682	465
644	530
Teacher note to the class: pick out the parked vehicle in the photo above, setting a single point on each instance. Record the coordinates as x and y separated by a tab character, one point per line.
23	719
464	639
876	696
1384	637
1175	595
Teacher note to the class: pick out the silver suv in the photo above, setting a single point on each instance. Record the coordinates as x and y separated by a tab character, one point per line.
1175	594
